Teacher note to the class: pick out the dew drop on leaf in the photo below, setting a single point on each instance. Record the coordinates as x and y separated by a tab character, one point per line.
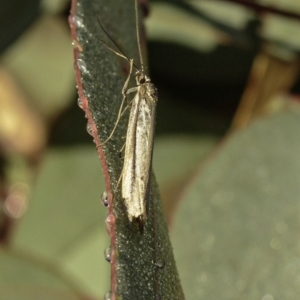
104	199
108	296
77	20
89	129
159	263
79	102
107	254
81	65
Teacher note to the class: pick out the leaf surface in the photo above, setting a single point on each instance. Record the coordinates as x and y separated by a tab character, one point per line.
236	234
143	265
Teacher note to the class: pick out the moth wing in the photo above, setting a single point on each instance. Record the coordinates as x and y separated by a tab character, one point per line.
144	145
138	153
129	155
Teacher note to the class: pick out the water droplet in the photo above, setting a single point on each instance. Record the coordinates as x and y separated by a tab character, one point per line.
159	263
77	20
108	296
81	65
104	198
89	129
107	254
79	102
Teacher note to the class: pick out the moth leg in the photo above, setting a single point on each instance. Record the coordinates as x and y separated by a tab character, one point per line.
121	156
119	180
120	114
124	89
132	90
124	93
123	147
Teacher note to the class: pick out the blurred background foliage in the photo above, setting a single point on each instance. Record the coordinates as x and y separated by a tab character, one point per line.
217	65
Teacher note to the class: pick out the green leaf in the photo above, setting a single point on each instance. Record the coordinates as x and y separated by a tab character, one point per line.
23	277
143	265
65	220
236	234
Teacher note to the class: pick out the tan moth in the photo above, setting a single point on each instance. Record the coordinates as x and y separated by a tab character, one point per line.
136	172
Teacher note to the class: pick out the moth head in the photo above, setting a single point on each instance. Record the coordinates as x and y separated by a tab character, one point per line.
141	78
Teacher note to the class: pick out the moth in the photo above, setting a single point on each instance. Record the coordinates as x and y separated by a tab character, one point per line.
137	167
136	173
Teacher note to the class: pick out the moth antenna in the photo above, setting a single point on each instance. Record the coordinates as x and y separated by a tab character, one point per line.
120	53
138	35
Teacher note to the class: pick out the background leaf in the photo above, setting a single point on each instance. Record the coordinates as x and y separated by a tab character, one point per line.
244	237
61	197
25	277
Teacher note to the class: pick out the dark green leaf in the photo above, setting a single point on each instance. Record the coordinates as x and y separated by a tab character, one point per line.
143	266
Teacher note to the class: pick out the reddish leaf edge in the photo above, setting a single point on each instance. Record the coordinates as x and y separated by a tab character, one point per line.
110	219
